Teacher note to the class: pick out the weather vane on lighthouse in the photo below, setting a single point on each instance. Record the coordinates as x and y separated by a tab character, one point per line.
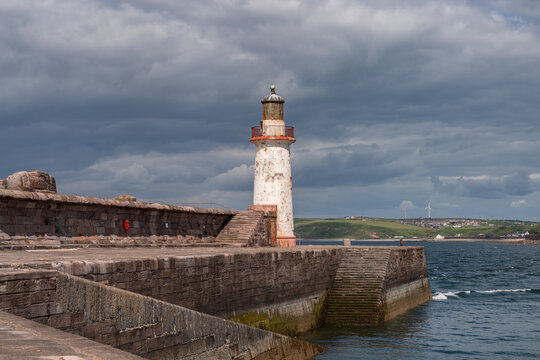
273	180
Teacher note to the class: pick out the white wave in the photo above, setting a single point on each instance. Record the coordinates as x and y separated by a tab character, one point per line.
502	290
444	295
439	296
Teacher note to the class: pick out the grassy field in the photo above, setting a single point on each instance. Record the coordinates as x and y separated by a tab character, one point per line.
366	228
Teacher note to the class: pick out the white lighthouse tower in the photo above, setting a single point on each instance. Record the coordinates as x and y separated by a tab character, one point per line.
273	180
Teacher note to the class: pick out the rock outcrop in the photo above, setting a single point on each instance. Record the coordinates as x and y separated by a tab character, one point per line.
29	181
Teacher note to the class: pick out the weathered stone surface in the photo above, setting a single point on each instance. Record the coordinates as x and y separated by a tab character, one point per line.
375	284
40	220
24	339
287	318
227	283
36	219
378	282
125	197
280	289
273	288
286	286
254	228
3	184
399	299
273	181
158	330
31	181
6	195
142	325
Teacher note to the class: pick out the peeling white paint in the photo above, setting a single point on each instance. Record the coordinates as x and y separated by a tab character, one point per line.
273	185
273	180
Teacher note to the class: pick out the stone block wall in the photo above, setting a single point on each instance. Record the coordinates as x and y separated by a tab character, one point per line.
30	294
223	285
266	231
33	219
406	264
138	324
374	284
264	234
407	284
256	286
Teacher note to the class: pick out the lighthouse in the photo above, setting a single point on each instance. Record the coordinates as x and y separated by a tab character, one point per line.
273	180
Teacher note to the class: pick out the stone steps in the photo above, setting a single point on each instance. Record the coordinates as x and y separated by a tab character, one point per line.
241	227
356	296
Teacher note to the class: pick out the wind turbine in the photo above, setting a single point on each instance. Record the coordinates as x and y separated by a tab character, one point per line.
428	208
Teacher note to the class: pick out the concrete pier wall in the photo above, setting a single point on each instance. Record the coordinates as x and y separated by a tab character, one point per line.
286	291
276	290
406	284
117	302
138	324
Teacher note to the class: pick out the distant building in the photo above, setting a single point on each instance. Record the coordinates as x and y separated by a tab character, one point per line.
438	223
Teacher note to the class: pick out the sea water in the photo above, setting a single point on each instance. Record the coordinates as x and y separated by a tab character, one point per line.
486	305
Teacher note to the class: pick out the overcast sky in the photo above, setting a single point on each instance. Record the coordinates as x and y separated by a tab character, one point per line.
394	103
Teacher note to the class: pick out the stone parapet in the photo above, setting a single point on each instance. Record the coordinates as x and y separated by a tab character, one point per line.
6	195
37	220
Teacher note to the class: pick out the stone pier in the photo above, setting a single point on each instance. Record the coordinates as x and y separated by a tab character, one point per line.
113	295
170	282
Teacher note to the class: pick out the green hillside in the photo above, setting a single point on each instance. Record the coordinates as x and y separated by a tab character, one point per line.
367	228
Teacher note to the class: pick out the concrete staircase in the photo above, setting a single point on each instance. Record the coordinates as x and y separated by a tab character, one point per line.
241	228
356	295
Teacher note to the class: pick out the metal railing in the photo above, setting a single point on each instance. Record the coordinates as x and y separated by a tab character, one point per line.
272	130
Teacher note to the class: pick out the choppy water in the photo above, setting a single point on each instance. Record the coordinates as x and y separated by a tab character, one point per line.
486	305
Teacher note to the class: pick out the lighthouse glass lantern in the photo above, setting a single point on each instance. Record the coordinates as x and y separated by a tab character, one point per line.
273	180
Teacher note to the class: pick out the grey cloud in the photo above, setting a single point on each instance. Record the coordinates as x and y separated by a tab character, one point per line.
159	175
157	98
339	165
238	178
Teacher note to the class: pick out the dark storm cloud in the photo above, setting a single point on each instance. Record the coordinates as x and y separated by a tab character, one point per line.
489	187
361	164
391	100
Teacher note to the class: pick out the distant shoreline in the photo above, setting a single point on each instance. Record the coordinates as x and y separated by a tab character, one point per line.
497	241
371	229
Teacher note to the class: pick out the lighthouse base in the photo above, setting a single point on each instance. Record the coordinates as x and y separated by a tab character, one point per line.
286	241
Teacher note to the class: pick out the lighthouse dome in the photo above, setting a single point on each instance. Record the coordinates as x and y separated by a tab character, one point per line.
273	97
